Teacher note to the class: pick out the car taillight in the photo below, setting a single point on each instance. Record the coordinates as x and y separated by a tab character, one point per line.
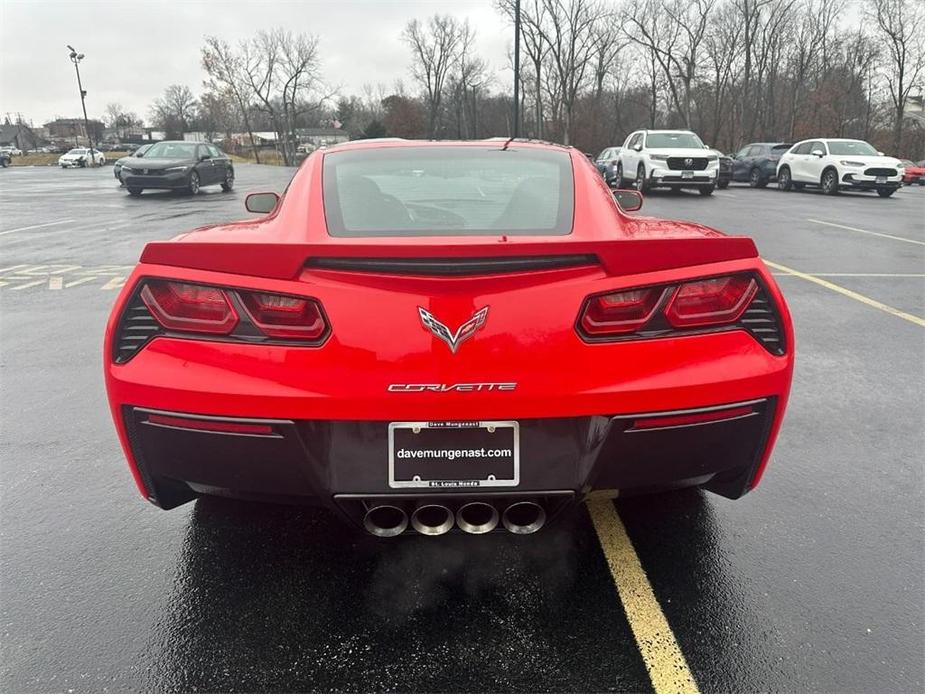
715	301
190	307
285	316
696	305
621	312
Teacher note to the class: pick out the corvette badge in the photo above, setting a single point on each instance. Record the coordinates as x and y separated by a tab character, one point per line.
465	331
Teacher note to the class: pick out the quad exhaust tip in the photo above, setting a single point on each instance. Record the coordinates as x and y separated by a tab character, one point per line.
523	517
432	519
385	521
477	517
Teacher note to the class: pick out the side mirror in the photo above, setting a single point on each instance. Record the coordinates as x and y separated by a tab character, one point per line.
880	154
261	203
818	153
637	147
204	157
628	200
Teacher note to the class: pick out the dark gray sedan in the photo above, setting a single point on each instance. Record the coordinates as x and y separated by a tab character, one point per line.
175	165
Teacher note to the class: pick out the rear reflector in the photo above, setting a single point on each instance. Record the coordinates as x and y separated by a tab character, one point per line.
285	316
189	307
715	301
220	426
621	312
692	418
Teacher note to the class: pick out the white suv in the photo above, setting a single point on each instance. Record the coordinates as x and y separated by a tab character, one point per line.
666	159
837	164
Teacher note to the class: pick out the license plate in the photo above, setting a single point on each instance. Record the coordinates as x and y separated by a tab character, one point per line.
881	179
454	454
687	174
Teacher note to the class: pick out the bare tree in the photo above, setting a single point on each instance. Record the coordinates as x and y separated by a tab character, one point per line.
225	69
435	52
901	23
174	110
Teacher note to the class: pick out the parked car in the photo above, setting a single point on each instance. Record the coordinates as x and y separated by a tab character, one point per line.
80	157
5	159
838	164
117	167
667	159
606	163
756	163
264	359
12	151
178	165
724	172
913	173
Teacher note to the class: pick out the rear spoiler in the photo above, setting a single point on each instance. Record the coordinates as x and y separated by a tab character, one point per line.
287	260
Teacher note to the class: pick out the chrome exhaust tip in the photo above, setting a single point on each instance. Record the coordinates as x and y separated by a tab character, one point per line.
523	517
432	519
385	521
477	517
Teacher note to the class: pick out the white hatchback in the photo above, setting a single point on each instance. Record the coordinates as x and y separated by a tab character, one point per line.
839	164
81	156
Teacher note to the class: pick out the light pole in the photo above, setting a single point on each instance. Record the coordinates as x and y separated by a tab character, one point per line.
517	68
76	58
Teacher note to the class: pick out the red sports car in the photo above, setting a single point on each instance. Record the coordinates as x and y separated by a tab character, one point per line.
429	335
913	173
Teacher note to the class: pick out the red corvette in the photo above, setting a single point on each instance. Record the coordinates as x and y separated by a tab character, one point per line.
428	335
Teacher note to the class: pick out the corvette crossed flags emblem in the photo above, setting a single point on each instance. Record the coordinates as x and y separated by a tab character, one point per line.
463	333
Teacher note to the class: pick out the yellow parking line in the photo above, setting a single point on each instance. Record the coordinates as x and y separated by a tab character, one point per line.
660	652
850	294
864	231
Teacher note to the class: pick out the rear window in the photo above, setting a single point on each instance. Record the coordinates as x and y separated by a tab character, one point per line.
448	191
780	149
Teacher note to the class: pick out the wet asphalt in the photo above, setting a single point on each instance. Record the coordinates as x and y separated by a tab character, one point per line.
814	582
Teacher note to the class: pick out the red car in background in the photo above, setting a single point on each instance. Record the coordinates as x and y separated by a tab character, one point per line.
429	335
913	173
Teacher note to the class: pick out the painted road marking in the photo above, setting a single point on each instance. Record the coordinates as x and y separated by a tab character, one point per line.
115	283
56	277
55	282
27	285
850	294
864	231
901	275
667	667
36	226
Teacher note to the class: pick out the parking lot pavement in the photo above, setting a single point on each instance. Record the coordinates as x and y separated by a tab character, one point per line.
812	582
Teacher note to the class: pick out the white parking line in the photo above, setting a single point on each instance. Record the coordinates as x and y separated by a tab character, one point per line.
36	226
865	231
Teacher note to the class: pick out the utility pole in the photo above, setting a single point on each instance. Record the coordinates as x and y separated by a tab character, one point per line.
516	128
76	58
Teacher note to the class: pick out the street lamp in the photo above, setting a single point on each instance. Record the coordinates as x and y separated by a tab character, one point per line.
76	58
516	128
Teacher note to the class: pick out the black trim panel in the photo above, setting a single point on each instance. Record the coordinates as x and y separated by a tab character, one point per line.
452	267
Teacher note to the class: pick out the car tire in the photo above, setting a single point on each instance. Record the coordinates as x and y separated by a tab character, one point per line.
228	183
885	192
829	182
618	179
134	192
193	185
642	185
784	182
756	180
706	190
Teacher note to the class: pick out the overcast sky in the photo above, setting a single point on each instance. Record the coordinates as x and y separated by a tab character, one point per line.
134	49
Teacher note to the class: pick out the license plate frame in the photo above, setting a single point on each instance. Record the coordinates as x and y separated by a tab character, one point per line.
687	174
881	179
454	436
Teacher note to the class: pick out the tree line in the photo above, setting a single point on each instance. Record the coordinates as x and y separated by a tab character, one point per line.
591	71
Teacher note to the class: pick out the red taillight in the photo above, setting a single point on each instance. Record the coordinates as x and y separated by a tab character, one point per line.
285	316
621	312
190	307
715	301
678	420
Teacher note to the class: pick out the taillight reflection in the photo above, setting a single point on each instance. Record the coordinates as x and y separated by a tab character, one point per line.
715	301
621	312
285	316
190	307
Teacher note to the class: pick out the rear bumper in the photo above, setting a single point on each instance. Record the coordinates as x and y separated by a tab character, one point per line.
318	461
171	181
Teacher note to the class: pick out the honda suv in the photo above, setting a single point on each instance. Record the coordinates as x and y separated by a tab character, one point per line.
836	165
666	159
